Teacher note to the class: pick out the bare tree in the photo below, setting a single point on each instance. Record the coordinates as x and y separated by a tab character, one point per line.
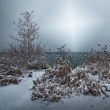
27	31
29	48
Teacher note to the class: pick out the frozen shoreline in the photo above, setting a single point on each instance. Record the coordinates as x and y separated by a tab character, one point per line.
18	97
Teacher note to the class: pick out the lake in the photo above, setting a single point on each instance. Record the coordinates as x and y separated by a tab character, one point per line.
75	55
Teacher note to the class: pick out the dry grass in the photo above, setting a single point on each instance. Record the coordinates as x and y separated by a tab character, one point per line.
60	81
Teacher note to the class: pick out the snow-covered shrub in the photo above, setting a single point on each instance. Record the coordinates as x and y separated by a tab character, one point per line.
102	57
63	63
38	63
61	81
98	64
12	75
54	84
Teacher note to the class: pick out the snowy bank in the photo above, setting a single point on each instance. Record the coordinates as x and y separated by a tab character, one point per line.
17	97
56	84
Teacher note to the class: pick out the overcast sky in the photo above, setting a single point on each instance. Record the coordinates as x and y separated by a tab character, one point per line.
81	24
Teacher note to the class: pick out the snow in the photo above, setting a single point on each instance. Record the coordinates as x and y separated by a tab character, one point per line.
18	97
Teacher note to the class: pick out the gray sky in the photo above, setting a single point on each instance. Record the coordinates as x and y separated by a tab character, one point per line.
81	24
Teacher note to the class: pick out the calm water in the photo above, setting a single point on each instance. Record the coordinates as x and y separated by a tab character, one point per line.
77	55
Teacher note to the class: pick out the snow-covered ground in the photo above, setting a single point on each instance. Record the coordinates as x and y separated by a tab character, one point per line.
18	97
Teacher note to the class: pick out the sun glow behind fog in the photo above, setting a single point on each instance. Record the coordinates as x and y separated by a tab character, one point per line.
72	20
73	24
78	23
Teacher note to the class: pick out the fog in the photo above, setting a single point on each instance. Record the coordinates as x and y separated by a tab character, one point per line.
79	24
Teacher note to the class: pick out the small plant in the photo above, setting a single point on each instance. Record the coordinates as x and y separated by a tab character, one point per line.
64	57
101	58
57	78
